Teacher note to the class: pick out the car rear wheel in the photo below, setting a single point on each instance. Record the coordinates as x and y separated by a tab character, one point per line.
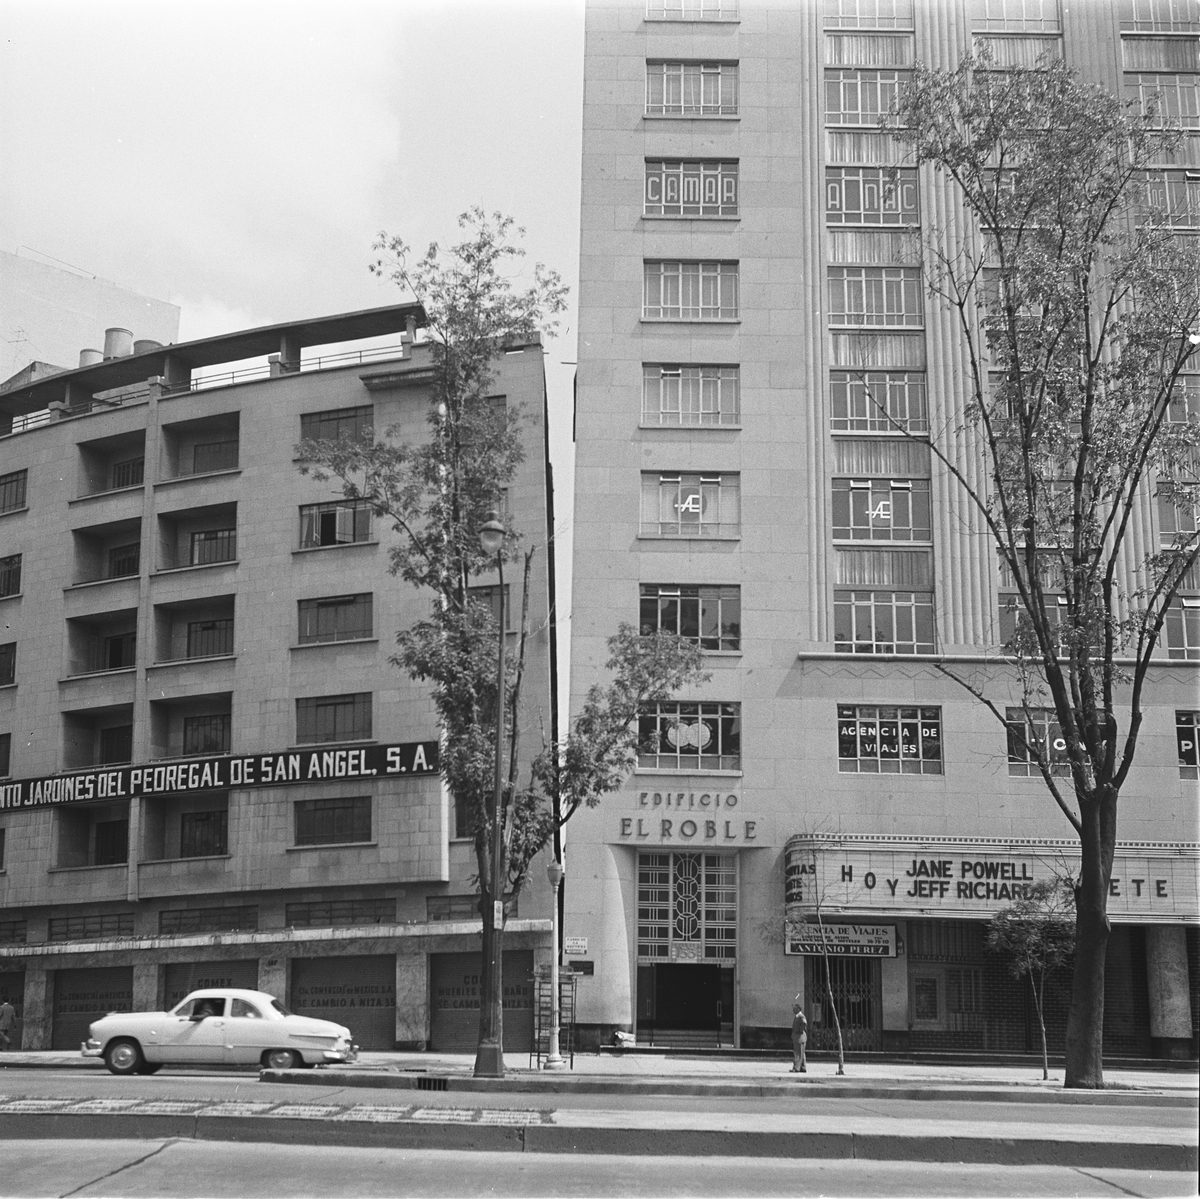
282	1059
124	1057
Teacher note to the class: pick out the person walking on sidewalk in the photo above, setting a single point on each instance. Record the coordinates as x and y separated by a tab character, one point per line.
799	1037
8	1018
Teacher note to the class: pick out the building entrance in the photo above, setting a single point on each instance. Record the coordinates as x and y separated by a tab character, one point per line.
689	1005
856	986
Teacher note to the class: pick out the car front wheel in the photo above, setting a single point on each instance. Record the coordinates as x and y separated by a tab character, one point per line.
282	1059
124	1057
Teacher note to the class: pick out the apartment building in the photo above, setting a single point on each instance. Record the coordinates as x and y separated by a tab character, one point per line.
746	274
209	770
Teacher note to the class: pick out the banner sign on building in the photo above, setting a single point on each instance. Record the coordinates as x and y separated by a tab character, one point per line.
221	773
841	940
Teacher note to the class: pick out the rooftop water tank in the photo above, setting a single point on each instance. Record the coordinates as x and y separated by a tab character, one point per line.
90	357
118	343
144	345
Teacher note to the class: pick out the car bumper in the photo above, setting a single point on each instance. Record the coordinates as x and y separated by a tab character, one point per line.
90	1048
341	1056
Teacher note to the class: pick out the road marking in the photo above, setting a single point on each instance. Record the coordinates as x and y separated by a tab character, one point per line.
304	1111
235	1109
106	1105
376	1114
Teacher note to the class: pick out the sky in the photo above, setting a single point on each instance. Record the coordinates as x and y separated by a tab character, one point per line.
239	159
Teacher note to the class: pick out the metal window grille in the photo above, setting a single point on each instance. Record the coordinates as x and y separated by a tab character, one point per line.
868	14
10	575
708	616
210	638
1039	732
1175	98
340	912
691	505
116	744
886	740
883	622
690	291
333	821
339	424
687	906
214	545
1187	725
1183	628
5	754
214	455
88	928
860	96
333	718
691	89
13	932
204	834
875	296
12	490
112	842
691	10
208	920
337	523
206	734
8	663
882	510
130	473
691	188
871	196
878	402
690	736
691	396
124	560
336	618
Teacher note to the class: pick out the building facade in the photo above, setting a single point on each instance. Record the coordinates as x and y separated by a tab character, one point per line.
746	273
209	770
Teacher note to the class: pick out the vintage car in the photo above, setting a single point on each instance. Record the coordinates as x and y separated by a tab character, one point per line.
215	1027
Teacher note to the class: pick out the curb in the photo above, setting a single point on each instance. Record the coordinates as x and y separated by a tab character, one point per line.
625	1142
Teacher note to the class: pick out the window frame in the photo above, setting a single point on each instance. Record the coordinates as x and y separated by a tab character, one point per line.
701	390
221	632
695	76
850	391
723	719
920	601
14	491
694	491
726	597
912	724
1021	761
8	664
10	576
357	702
355	805
198	729
215	841
684	173
690	282
847	496
875	297
882	216
313	424
1187	728
316	605
359	522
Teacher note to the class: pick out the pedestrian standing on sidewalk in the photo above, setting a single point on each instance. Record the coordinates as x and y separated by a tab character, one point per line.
799	1037
8	1018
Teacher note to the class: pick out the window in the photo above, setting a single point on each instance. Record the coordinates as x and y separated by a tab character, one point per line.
124	560
1174	197
879	740
691	396
214	455
241	1009
333	718
860	97
883	622
12	490
3	837
91	928
130	473
206	734
112	842
214	545
1040	733
208	920
10	575
339	523
691	291
333	821
691	89
8	664
210	638
875	295
687	188
5	755
711	617
1176	514
118	652
1187	724
1170	54
1016	632
691	10
489	597
1183	628
878	402
1175	98
13	932
339	424
337	912
689	899
1164	15
868	14
1016	15
336	618
464	907
690	505
204	834
882	510
871	196
116	744
690	736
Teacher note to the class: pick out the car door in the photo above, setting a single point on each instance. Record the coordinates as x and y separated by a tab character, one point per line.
248	1031
195	1032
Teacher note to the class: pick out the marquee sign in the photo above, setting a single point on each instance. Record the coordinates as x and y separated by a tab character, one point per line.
193	775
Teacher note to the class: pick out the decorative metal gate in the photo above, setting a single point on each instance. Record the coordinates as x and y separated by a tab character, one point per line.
857	991
687	907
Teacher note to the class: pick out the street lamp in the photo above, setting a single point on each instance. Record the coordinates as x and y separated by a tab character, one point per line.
554	1059
489	1057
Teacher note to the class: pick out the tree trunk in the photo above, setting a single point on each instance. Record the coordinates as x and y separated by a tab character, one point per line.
1085	1023
1041	1015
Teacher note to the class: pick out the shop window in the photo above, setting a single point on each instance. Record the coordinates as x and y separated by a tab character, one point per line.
883	622
10	575
204	834
334	821
342	522
875	296
91	928
210	638
887	740
336	618
124	560
206	734
1033	734
12	490
339	424
690	291
690	736
691	397
878	402
329	718
213	545
8	664
708	616
691	89
687	907
691	505
691	188
208	920
339	912
1187	725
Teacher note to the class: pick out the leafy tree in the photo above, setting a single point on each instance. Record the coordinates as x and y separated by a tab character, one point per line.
1036	935
437	494
1077	310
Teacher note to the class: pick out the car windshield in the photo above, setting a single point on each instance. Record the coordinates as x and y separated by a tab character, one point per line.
280	1008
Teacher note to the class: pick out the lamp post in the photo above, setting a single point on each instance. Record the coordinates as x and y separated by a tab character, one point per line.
489	1057
554	1059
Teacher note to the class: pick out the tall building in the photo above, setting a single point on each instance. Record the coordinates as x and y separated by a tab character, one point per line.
209	770
745	275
